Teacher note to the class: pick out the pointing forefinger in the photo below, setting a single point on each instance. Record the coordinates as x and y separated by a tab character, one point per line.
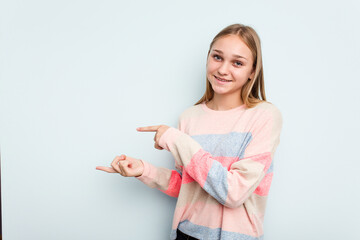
148	128
106	169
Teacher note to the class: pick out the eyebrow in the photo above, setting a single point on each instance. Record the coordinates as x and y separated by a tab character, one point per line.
237	56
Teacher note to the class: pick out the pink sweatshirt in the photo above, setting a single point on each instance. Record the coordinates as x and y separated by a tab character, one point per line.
224	170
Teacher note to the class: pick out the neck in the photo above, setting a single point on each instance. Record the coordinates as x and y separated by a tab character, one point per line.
223	103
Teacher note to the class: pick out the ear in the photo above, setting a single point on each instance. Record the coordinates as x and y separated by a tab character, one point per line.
252	75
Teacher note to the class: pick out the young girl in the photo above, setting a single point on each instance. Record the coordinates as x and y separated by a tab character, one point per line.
223	147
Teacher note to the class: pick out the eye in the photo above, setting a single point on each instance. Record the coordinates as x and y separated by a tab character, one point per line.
216	57
238	64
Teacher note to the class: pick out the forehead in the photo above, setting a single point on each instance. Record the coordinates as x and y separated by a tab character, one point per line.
232	44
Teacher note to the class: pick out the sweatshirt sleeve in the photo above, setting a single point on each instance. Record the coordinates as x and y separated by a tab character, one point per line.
229	187
166	180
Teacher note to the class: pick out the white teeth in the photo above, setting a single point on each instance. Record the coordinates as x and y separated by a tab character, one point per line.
222	80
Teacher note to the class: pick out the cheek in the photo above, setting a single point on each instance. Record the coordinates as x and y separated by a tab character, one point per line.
211	67
239	76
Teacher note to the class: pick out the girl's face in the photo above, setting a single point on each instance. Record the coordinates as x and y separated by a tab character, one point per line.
229	65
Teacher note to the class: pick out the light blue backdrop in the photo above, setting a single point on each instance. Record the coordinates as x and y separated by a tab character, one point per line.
78	77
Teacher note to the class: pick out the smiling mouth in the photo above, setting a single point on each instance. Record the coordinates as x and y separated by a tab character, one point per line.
221	79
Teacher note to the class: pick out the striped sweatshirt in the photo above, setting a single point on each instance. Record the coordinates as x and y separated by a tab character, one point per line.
224	169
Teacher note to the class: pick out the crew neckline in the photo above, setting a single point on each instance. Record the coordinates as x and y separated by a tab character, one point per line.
207	109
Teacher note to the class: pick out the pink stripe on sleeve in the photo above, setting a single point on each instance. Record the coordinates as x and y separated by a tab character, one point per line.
174	184
264	186
198	167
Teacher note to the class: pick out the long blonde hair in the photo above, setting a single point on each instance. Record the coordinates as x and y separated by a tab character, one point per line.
250	91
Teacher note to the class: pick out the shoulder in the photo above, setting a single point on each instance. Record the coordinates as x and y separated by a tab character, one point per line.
191	112
266	111
187	116
267	108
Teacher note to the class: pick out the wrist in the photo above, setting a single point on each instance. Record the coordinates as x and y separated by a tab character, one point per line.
141	168
168	138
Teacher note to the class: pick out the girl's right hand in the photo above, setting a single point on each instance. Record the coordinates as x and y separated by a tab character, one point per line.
126	166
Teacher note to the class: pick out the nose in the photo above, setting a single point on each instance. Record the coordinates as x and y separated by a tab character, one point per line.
223	68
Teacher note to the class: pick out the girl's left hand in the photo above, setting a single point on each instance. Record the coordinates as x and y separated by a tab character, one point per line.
159	129
125	165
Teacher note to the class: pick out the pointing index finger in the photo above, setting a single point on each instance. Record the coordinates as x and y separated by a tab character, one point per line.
106	169
148	128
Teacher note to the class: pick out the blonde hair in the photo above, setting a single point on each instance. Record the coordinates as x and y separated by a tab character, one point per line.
254	88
